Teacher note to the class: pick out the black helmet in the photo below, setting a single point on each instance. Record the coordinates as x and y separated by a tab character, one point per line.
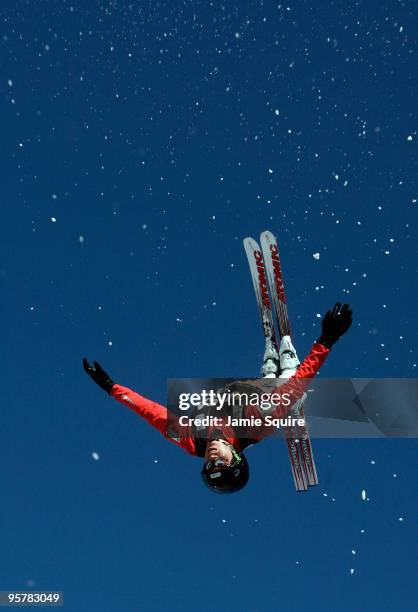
228	479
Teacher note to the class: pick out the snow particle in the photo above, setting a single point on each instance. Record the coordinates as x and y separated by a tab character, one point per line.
409	138
81	239
316	256
363	495
95	456
351	571
53	219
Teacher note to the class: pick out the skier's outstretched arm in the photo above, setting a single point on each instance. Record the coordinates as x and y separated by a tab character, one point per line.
155	414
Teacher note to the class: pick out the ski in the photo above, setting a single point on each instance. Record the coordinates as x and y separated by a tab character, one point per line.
259	278
273	269
260	283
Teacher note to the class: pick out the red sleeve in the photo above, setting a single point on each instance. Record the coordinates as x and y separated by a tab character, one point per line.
311	364
152	412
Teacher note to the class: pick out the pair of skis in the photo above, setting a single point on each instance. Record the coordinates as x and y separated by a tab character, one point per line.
266	273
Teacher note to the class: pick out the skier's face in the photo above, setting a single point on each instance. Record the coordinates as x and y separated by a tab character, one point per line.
218	449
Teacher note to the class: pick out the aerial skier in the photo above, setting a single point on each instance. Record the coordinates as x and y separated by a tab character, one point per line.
225	468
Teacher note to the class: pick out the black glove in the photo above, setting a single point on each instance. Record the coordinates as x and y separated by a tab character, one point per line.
335	323
99	376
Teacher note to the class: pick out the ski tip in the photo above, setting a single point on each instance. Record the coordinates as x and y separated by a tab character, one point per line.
268	235
251	243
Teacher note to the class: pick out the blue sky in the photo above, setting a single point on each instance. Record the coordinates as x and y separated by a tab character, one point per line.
140	143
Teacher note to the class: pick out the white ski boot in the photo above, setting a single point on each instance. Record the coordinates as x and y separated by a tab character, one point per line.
288	358
270	367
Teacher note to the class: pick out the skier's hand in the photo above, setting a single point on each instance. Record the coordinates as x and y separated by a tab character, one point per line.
99	376
335	323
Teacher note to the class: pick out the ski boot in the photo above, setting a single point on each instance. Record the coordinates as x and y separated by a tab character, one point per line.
270	367
288	358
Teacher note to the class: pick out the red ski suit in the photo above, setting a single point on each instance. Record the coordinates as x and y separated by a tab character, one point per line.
156	415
